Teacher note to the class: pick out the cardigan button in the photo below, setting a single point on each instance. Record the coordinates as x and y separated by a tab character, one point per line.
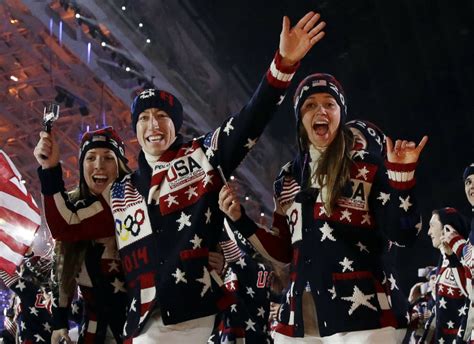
307	261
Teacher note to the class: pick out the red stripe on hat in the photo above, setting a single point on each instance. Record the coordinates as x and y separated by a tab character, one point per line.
147	280
287	330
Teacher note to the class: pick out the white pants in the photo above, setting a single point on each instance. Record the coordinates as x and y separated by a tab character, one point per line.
386	335
191	331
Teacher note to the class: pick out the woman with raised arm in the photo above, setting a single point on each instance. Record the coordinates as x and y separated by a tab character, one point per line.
335	206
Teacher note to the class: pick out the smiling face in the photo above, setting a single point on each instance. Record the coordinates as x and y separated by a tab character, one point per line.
155	131
435	231
469	188
100	168
321	116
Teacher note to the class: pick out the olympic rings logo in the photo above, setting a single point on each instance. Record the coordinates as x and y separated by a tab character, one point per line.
131	225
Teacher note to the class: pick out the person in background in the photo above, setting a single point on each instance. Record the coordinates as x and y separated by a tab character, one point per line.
462	248
450	289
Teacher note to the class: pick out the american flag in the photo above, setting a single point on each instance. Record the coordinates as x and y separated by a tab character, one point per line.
123	195
19	216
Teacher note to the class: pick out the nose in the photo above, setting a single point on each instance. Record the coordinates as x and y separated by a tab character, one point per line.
99	163
154	122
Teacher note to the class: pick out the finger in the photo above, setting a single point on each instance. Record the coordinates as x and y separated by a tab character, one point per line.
302	22
398	144
227	202
285	26
317	29
422	144
311	22
389	145
410	145
403	145
317	38
234	207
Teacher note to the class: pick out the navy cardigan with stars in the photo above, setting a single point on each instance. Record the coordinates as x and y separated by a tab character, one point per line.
339	257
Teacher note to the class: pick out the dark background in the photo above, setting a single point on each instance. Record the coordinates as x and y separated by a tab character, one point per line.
405	65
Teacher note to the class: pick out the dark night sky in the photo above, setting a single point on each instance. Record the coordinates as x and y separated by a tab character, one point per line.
405	65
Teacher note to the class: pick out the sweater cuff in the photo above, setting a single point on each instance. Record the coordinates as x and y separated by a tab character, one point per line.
401	176
456	243
244	225
51	180
280	76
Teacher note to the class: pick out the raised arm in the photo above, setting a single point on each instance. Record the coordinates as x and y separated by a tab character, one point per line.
66	220
228	145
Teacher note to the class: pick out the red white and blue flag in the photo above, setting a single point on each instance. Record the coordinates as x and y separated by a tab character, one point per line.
19	216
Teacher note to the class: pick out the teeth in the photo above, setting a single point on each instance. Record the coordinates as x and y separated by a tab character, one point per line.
155	138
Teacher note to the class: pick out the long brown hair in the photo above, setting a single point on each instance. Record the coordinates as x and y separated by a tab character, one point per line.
334	167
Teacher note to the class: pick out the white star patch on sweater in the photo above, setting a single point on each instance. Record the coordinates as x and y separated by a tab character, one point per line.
183	221
206	280
207	180
250	292
450	324
282	98
196	241
450	291
441	341
346	214
132	305
21	285
118	286
261	312
74	308
241	262
327	230
22	325
362	172
228	126
209	153
393	282
188	150
191	191
33	310
360	154
180	276
208	214
333	292
405	203
442	303
38	338
346	264
358	299
366	219
419	226
47	327
250	325
171	200
233	308
384	197
250	143
113	266
362	247
322	211
462	310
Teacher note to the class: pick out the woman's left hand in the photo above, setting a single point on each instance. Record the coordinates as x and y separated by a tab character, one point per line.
404	152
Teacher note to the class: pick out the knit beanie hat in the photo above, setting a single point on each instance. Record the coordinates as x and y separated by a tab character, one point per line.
103	138
320	83
450	216
373	135
468	171
153	98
